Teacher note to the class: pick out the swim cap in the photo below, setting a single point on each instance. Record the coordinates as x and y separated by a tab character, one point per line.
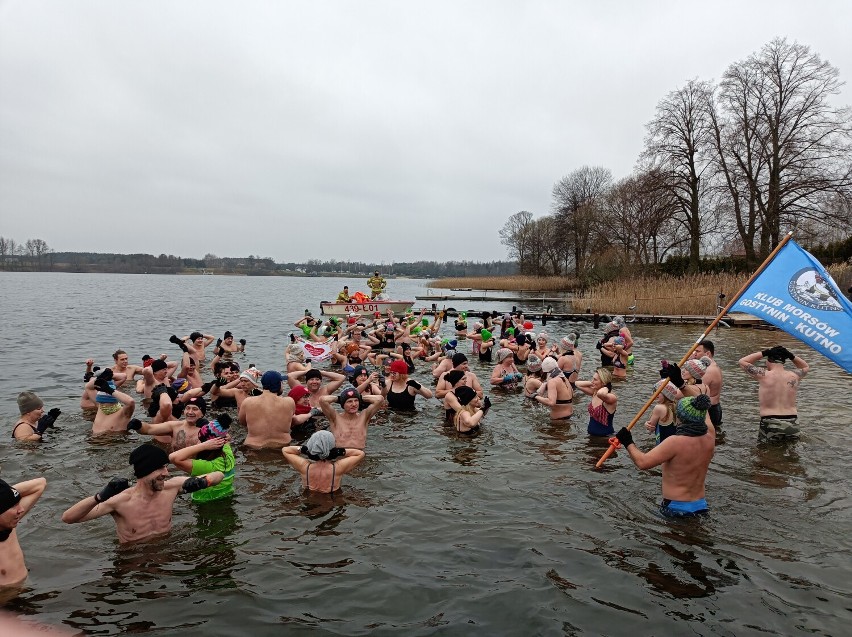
458	359
528	325
9	496
147	459
510	331
533	363
543	335
669	391
348	369
271	381
28	401
566	345
346	394
180	385
548	364
320	444
454	376
147	361
693	409
697	368
313	373
619	321
452	344
618	340
158	365
199	402
486	335
464	394
610	327
503	353
399	366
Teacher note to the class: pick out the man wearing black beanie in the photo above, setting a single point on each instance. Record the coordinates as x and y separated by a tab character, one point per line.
15	502
144	509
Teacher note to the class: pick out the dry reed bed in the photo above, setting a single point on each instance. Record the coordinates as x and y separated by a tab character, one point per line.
688	295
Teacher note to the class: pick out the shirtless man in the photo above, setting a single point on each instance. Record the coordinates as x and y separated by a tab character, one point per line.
33	421
15	502
350	427
178	433
322	458
776	392
685	458
115	408
145	509
156	374
459	363
194	344
122	366
228	345
313	381
189	371
268	417
712	379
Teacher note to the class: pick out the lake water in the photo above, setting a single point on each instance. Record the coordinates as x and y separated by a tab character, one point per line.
511	533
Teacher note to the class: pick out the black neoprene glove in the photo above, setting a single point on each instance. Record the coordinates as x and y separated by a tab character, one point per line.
218	342
113	487
486	404
336	452
674	375
106	374
303	450
598	345
174	339
102	384
243	342
624	437
414	384
134	425
787	354
208	386
47	420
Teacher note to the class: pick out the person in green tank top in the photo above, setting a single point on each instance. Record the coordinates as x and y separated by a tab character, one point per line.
212	453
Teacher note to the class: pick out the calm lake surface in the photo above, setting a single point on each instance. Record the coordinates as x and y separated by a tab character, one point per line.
511	533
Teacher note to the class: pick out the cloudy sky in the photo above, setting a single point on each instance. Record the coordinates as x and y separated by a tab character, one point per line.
388	131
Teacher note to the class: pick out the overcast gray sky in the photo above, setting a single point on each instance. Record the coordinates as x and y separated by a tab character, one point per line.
386	131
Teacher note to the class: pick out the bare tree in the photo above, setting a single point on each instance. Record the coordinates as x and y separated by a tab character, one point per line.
571	196
516	235
679	147
799	145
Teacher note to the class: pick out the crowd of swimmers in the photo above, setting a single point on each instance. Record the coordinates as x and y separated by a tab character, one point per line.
318	415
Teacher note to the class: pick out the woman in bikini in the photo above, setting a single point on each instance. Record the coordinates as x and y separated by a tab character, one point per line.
556	391
603	404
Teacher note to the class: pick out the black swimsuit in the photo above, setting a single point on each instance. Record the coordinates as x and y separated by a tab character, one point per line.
400	400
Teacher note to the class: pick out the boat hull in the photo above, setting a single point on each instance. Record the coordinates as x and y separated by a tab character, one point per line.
370	307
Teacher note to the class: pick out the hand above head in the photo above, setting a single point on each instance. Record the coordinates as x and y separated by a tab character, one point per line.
174	339
101	384
624	437
786	354
336	452
674	375
115	486
243	342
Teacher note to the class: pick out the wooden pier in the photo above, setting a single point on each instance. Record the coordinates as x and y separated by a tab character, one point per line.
733	320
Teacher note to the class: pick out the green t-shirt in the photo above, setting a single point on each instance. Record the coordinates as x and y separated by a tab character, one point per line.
225	464
306	330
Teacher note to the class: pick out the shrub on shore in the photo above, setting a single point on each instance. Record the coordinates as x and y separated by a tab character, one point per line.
518	283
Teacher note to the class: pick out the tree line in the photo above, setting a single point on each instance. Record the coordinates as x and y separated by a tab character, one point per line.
727	169
36	255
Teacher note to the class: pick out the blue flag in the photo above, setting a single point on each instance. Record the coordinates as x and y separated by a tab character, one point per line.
797	295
